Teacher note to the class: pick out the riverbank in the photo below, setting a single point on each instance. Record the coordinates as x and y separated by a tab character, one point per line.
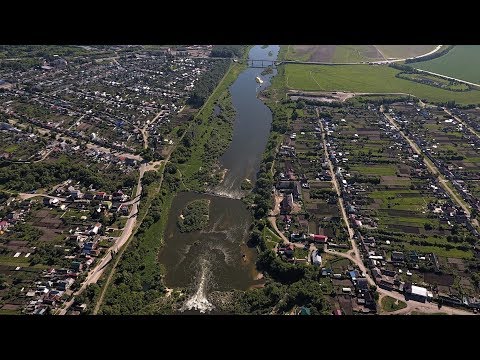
139	276
212	135
217	258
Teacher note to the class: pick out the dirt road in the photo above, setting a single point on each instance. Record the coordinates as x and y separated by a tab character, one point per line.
431	167
354	254
463	123
97	271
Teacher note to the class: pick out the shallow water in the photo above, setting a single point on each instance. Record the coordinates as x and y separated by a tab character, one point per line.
217	258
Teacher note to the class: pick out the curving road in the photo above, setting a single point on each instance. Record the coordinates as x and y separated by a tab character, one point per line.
97	271
448	77
377	62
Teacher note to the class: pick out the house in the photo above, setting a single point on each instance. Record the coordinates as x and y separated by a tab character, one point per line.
64	284
51	202
89	196
353	275
95	229
40	311
13	217
101	195
414	292
362	285
369	241
3	225
297	237
370	301
130	162
397	256
76	266
76	194
376	273
87	247
286	204
119	196
351	209
327	272
322	239
388	272
316	258
284	186
297	191
59	62
304	311
387	285
289	250
337	312
123	210
81	307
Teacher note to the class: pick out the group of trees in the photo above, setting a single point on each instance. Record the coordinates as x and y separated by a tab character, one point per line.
137	280
195	216
207	83
374	180
26	177
325	194
228	51
51	255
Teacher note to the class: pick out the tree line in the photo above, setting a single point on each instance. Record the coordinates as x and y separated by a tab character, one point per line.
227	51
207	83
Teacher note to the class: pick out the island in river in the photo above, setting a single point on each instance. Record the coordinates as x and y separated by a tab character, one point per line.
194	216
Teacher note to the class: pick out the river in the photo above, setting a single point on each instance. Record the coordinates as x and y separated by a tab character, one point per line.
217	257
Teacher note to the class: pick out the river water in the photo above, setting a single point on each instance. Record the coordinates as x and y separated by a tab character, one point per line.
217	258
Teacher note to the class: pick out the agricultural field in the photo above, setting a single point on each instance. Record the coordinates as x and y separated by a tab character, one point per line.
404	51
393	201
461	62
316	208
333	53
354	53
390	194
369	79
454	149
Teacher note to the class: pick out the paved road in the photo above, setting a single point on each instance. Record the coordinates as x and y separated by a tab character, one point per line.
364	62
448	77
414	57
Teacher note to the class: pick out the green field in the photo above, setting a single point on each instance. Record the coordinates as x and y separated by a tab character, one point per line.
461	62
353	53
453	253
11	148
390	304
332	53
379	170
367	78
270	238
